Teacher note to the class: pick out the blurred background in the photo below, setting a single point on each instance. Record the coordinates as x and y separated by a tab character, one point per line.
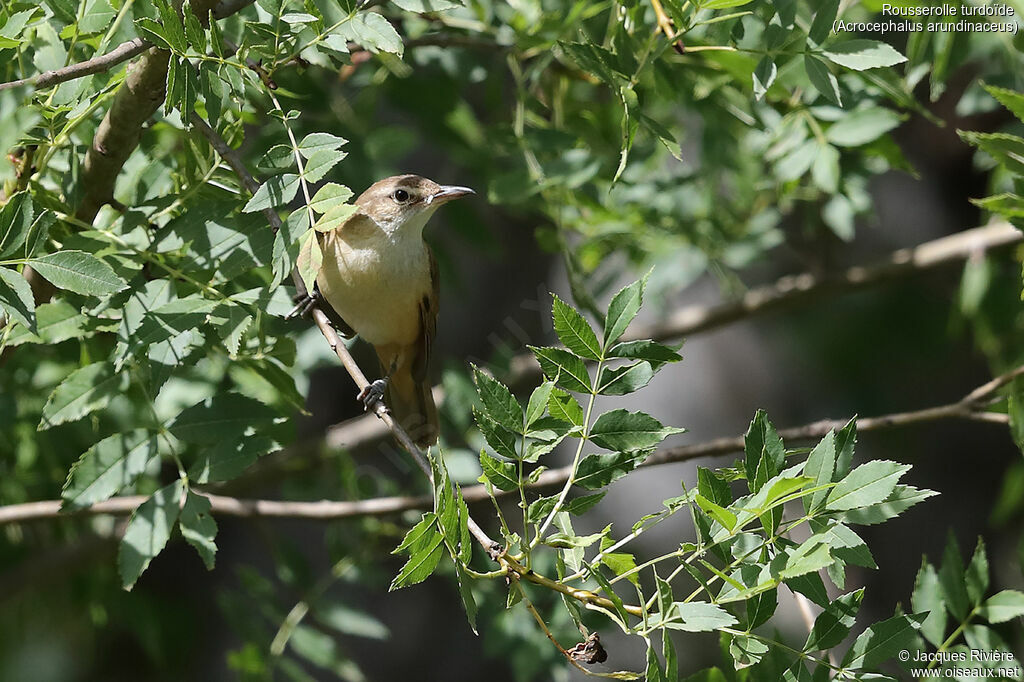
723	217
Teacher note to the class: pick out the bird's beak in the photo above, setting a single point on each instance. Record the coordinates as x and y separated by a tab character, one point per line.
447	193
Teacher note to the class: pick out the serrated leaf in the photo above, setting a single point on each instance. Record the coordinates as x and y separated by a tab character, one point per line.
822	79
574	331
862	126
927	598
498	401
652	351
15	220
320	163
317	142
952	580
277	190
108	467
425	553
310	259
625	379
881	641
625	431
373	32
859	54
564	368
1007	150
198	527
147	532
820	466
623	308
330	196
764	453
563	406
227	459
85	390
1003	606
976	576
335	217
824	17
16	298
502	475
868	484
538	403
597	471
1012	100
225	415
497	436
77	271
902	498
694	616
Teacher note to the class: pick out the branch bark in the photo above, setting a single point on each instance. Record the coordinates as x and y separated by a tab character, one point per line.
121	53
971	407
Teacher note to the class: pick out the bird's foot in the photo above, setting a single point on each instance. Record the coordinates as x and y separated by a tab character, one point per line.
304	303
373	394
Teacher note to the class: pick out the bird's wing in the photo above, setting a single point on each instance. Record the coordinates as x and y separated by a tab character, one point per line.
428	321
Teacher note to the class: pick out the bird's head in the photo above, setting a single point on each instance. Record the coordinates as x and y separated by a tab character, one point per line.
404	202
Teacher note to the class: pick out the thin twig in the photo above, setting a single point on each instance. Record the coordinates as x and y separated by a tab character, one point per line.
967	408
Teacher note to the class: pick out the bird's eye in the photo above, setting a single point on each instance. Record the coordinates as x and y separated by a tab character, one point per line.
400	195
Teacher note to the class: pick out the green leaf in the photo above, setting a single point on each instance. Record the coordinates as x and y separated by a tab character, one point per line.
225	415
335	217
868	484
824	17
317	142
310	259
825	170
147	532
628	431
497	436
85	390
330	196
502	475
16	298
278	190
15	221
927	598
1009	205
881	641
97	16
153	31
860	55
652	351
11	30
1012	100
562	367
622	309
538	403
56	322
173	30
424	6
198	527
719	513
1007	150
1003	606
952	580
574	331
834	623
320	163
108	467
763	451
563	406
694	616
976	576
227	459
624	380
77	271
903	497
724	4
373	32
746	651
424	544
861	127
713	488
763	76
597	471
498	401
820	466
822	79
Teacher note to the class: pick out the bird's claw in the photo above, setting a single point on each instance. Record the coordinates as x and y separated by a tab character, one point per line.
303	304
372	394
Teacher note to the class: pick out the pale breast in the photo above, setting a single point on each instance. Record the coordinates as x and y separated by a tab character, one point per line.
376	283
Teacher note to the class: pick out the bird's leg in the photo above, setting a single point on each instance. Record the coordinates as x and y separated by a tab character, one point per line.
304	303
373	392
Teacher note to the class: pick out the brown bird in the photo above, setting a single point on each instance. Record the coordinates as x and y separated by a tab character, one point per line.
380	278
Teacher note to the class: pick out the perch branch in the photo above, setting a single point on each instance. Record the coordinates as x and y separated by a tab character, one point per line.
970	407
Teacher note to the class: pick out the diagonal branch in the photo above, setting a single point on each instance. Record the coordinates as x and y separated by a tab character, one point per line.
121	53
971	407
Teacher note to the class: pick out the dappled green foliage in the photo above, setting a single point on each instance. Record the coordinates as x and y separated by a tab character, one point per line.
144	281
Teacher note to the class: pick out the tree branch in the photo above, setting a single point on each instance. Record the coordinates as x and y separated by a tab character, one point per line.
970	408
787	292
121	53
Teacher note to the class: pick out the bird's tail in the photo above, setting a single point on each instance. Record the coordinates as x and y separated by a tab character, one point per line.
412	407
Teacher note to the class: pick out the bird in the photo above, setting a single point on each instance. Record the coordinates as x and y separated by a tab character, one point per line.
379	280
